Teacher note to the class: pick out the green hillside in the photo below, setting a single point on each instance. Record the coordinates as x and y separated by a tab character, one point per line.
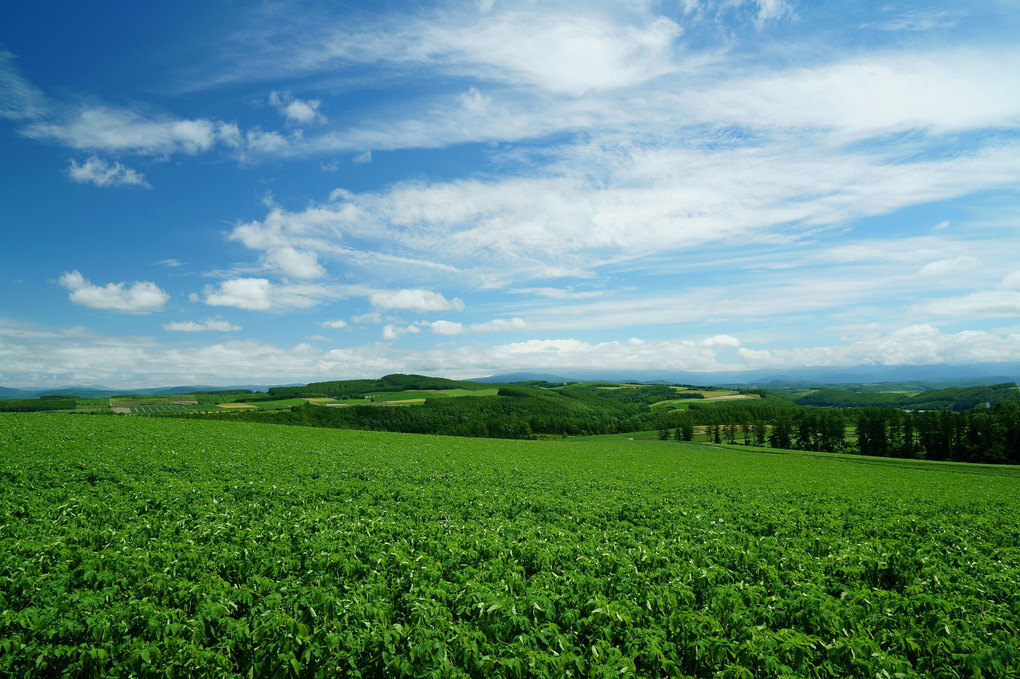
954	398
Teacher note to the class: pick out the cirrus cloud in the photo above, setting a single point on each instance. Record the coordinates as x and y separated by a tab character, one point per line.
206	325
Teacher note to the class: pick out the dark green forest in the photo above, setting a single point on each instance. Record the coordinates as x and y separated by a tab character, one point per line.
31	405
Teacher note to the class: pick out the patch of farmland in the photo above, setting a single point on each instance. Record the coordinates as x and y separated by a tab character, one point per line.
153	409
136	546
419	395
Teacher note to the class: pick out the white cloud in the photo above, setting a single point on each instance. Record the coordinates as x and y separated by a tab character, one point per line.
19	99
295	110
447	327
560	53
500	325
1011	281
443	327
414	300
243	293
370	317
294	263
101	173
773	9
645	201
392	332
942	90
103	128
259	141
982	304
139	298
339	323
560	293
363	158
918	20
568	52
170	263
206	325
944	267
258	294
726	341
474	101
921	344
42	356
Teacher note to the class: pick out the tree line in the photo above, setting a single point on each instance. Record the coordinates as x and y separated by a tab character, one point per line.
983	434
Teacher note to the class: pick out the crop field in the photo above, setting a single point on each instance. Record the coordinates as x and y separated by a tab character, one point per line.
419	395
162	408
169	547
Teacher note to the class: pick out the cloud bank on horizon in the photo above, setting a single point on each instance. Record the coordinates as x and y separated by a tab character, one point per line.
299	191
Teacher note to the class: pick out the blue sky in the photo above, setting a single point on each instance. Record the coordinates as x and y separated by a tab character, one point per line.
217	193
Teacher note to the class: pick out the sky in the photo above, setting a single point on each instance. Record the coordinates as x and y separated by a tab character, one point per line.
280	192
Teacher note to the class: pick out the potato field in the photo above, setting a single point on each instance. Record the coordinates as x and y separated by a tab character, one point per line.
169	548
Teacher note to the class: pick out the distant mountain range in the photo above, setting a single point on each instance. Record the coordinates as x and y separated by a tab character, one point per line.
974	374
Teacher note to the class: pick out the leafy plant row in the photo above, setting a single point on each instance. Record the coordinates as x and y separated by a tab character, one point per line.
161	547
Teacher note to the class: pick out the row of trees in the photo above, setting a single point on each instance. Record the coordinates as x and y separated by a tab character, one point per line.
981	435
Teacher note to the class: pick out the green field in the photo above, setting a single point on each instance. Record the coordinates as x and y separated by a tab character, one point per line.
417	394
169	547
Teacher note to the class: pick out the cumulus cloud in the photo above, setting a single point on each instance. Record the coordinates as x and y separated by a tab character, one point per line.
447	327
721	341
294	263
139	298
244	293
392	332
206	325
101	173
339	323
414	300
259	141
60	356
500	325
296	110
259	294
921	344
